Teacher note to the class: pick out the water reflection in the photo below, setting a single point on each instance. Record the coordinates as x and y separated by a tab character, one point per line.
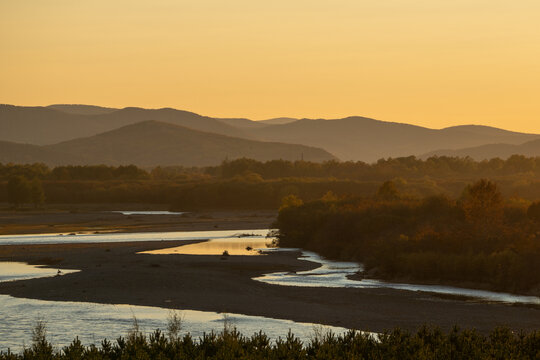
121	237
335	274
244	245
148	212
11	271
94	322
329	274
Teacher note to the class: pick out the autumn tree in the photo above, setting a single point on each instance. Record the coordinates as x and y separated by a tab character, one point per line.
291	201
388	191
329	196
482	204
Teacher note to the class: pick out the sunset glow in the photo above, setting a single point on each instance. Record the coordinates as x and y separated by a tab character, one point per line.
430	63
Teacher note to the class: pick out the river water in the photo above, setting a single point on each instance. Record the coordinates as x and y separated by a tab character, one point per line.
94	322
121	237
335	274
12	271
128	213
248	242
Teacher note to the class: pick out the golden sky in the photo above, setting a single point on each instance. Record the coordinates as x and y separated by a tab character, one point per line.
434	63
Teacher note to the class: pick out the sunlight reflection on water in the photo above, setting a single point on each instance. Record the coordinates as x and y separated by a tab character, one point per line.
121	237
93	322
330	274
11	271
148	212
245	245
334	274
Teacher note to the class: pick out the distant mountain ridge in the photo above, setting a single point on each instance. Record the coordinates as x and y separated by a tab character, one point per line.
490	151
352	138
366	139
242	123
278	121
82	109
153	143
45	126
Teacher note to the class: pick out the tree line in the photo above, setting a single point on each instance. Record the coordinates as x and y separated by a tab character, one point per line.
21	191
246	183
407	167
477	240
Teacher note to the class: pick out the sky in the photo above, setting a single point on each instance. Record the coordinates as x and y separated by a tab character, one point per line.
434	63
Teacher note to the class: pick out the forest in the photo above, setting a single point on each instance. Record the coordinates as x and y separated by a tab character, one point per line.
478	240
246	183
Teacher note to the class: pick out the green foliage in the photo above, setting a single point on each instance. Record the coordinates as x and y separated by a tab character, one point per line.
174	324
426	343
41	348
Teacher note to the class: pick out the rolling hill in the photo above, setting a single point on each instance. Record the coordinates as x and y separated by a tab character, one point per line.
152	143
242	123
490	151
278	121
352	138
82	109
49	125
25	153
365	139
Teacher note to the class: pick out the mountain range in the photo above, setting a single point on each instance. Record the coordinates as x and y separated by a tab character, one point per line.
50	125
86	134
152	143
490	151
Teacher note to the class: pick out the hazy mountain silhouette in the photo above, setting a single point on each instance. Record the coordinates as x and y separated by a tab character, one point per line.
242	123
251	124
44	125
351	138
490	151
278	121
151	143
25	153
365	139
40	125
82	109
132	115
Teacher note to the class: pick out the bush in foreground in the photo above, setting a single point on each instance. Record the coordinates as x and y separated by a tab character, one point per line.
426	343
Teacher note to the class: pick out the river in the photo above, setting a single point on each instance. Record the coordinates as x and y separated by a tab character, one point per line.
94	322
